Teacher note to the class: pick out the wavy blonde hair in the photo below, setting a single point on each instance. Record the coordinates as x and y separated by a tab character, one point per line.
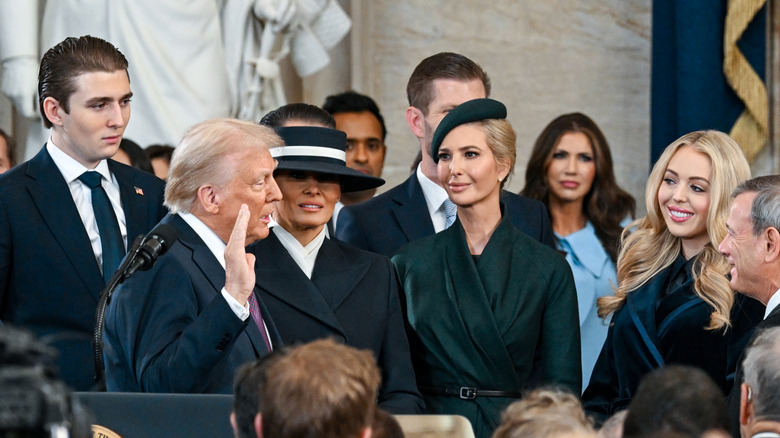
647	246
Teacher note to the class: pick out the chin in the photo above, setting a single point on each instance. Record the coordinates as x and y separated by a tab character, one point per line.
257	235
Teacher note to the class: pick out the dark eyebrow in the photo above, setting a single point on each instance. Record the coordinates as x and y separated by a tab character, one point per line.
97	100
105	99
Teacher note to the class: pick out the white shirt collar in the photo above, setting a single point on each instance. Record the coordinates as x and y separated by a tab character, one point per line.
773	302
434	198
304	256
69	167
584	248
209	237
335	217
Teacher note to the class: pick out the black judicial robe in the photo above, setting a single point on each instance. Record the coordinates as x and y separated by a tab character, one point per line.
489	324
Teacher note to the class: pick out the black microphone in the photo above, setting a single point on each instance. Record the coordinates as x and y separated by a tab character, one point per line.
155	244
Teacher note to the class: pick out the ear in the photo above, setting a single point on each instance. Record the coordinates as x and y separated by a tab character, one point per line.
366	433
208	198
234	424
259	425
745	406
53	109
416	121
503	169
772	244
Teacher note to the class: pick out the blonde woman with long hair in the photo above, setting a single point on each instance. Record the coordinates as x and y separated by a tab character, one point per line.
673	303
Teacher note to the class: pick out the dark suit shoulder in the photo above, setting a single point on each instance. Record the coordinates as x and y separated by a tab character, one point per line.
529	216
521	201
420	247
380	202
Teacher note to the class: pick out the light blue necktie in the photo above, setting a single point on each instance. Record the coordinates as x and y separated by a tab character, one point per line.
110	236
451	210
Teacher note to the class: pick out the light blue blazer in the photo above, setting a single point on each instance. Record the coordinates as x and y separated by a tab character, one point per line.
594	277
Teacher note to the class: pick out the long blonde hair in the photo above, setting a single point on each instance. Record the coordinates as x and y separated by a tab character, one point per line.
647	246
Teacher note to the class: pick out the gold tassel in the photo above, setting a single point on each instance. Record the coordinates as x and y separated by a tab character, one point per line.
751	130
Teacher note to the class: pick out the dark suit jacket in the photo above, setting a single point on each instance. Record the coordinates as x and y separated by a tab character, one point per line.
352	297
772	320
170	329
49	278
385	223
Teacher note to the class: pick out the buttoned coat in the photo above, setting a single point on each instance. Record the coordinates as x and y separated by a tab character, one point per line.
352	296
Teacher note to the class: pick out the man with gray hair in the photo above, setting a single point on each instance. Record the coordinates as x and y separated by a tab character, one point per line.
185	325
759	408
752	246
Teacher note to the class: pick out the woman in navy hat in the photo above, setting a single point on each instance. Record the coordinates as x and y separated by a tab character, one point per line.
317	287
490	310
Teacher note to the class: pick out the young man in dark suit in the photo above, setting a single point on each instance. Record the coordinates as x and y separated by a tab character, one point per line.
416	207
752	247
68	214
190	321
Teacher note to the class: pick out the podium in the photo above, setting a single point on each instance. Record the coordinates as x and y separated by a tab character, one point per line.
149	415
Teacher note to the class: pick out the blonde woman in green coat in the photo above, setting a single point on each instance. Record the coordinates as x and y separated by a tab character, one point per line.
490	311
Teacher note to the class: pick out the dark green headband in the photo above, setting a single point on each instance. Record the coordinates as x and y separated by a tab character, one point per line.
467	112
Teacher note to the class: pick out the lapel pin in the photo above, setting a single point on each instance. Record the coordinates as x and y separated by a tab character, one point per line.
138	191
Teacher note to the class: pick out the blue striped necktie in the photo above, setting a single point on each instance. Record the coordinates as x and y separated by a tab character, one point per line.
451	210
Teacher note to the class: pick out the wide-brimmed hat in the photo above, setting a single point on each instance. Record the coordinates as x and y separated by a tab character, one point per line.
321	150
467	112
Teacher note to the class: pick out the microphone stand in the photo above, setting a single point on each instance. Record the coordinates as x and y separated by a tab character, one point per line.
100	315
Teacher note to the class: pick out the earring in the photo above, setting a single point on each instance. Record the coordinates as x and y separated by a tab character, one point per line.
500	179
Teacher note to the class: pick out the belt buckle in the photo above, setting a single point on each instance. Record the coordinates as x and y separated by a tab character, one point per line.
468	393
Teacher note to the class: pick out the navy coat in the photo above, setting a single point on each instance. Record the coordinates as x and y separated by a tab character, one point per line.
389	221
169	329
352	297
49	279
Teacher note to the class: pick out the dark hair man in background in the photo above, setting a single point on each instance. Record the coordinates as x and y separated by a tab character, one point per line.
417	207
359	116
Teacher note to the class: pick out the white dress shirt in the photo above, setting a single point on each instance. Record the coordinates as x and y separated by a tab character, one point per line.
334	219
773	302
435	195
217	247
82	196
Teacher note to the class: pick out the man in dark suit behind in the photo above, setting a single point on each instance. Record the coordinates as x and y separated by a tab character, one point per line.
54	259
752	247
415	208
190	321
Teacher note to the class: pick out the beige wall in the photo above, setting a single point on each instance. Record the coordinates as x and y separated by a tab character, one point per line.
545	58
